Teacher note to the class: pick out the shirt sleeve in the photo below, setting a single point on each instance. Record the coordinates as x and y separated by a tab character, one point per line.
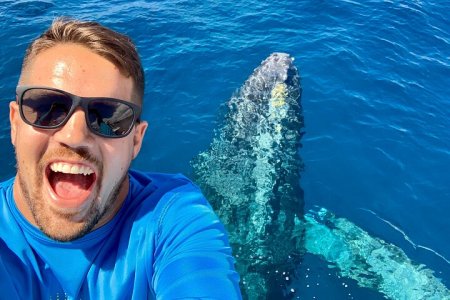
192	256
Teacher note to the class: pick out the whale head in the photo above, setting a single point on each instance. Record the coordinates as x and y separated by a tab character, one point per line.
275	76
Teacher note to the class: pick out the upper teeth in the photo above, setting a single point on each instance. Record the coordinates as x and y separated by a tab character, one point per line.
70	168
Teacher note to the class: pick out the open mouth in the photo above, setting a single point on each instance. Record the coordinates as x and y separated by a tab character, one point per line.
70	182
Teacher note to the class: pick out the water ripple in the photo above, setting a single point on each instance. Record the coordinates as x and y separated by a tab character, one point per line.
29	8
406	237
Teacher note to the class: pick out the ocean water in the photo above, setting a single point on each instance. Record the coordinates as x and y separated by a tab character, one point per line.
376	101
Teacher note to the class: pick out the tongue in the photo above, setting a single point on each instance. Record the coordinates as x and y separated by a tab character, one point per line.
70	186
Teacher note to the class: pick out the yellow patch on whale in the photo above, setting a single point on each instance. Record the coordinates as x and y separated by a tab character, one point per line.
279	94
278	128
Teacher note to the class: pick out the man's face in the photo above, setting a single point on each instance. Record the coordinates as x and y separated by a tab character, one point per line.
49	191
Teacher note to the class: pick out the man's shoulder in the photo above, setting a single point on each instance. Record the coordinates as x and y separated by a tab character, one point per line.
156	191
154	182
146	178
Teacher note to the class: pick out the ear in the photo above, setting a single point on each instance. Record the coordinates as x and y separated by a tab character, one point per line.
14	119
139	133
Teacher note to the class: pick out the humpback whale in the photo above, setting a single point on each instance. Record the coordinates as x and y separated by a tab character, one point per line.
251	175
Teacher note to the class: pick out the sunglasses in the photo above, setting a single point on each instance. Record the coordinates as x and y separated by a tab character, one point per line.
50	108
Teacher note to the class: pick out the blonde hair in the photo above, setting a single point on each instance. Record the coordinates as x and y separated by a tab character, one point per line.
113	46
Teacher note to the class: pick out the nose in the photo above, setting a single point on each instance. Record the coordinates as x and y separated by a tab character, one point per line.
75	132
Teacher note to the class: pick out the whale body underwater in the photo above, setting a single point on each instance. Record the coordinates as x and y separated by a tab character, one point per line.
251	175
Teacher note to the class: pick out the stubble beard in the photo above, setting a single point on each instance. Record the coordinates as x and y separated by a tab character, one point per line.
59	226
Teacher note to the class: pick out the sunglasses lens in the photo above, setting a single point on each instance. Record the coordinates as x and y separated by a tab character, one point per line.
110	118
45	108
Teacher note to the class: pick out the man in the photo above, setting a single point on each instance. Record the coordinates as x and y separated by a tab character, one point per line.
75	222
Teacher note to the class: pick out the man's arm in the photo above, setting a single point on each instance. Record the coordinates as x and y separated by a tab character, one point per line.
192	256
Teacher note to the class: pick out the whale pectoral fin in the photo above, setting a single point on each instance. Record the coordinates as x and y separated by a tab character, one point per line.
369	260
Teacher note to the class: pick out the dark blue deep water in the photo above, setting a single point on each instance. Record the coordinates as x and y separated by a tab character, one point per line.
376	100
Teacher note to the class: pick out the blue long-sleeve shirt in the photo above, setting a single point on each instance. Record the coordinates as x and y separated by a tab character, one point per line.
164	243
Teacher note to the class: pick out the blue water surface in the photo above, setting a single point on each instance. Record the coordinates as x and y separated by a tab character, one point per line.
376	100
